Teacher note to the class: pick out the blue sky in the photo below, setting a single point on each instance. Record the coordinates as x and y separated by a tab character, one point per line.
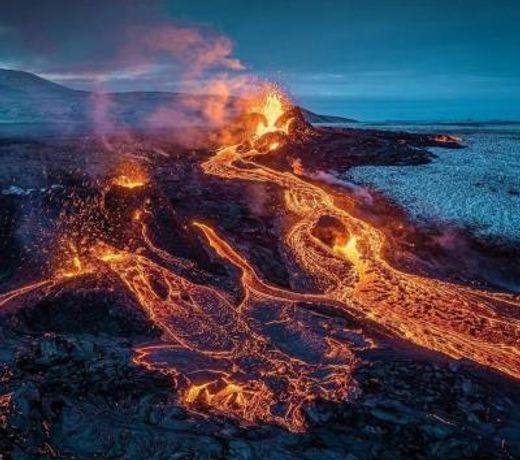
370	59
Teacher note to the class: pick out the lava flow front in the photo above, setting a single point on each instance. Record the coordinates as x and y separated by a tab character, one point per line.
269	353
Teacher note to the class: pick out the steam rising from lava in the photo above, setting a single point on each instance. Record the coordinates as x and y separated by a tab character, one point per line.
206	82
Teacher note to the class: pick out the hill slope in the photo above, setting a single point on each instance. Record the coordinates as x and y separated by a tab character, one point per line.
28	98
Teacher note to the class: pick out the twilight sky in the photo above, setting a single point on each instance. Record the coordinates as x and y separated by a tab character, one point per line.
369	59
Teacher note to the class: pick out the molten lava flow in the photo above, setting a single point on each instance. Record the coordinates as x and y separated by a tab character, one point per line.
7	297
274	145
107	254
445	139
350	251
461	322
128	182
229	397
205	335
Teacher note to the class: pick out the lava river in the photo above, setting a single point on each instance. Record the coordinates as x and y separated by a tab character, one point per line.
458	321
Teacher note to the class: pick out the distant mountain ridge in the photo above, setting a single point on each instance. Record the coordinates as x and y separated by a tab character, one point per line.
19	83
29	98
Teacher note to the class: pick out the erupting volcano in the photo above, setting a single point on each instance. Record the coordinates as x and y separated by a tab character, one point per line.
257	351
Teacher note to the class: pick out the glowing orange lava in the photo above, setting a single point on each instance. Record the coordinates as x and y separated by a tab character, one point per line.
461	322
8	297
271	107
229	395
349	251
225	341
74	264
128	182
130	175
445	139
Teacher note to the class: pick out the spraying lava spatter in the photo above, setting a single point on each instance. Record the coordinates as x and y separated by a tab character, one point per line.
130	175
271	108
127	182
269	355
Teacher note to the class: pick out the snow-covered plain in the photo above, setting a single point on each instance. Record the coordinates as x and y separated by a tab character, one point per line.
477	188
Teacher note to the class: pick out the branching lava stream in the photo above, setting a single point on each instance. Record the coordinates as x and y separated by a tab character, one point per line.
458	321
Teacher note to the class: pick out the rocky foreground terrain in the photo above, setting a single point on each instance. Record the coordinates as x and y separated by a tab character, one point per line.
69	387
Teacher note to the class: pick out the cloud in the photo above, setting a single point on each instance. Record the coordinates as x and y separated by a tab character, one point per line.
117	43
197	51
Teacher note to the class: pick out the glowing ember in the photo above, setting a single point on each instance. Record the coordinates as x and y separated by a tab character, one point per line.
76	265
137	215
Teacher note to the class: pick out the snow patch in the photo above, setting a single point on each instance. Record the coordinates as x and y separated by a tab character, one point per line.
476	188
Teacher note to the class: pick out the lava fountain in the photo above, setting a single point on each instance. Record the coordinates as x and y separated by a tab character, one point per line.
271	109
130	175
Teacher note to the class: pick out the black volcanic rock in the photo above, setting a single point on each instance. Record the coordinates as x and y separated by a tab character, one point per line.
329	148
94	312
